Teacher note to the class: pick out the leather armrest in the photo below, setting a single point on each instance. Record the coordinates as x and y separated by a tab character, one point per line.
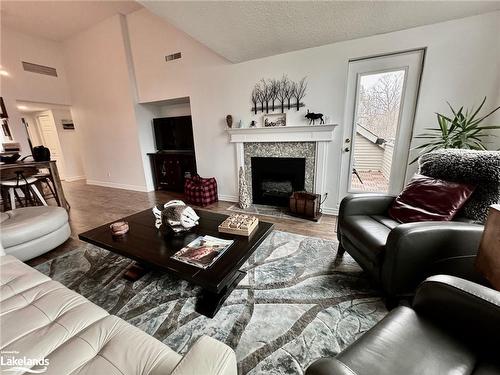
209	357
417	250
329	366
466	308
365	204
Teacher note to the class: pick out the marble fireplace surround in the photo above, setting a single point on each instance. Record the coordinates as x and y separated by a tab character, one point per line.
305	150
309	142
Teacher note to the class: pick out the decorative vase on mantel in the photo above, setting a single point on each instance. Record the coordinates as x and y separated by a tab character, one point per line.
244	195
229	121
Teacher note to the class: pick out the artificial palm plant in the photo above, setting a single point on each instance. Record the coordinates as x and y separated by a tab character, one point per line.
462	130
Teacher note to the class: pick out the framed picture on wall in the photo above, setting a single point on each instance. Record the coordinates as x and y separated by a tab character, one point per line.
68	124
3	111
275	119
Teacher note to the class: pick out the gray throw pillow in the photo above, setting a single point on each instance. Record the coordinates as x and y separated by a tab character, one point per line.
467	166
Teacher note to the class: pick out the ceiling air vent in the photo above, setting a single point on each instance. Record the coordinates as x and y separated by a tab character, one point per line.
173	56
40	69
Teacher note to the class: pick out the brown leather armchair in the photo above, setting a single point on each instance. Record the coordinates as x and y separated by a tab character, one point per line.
400	256
453	328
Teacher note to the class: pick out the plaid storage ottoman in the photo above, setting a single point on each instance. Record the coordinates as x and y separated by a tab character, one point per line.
200	191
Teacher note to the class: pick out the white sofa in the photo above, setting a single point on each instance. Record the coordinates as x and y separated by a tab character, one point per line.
42	319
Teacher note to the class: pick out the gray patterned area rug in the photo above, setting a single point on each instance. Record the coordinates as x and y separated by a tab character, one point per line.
296	304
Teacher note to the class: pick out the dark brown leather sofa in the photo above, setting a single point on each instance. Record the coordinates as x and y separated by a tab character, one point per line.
453	328
400	256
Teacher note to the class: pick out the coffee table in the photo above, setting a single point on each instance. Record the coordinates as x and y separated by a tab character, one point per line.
152	249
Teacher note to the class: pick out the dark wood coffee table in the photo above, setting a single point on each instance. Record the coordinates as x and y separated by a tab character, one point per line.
152	249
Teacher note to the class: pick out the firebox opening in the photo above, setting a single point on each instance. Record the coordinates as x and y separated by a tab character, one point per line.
275	179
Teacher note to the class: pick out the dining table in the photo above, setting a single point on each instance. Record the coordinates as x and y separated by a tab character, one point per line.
54	177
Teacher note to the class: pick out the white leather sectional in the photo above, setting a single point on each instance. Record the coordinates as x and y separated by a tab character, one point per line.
40	318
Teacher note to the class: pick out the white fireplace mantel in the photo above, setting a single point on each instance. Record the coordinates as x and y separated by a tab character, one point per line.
321	134
312	133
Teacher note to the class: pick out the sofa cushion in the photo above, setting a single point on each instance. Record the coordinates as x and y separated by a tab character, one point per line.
16	277
368	233
429	199
113	347
404	343
28	223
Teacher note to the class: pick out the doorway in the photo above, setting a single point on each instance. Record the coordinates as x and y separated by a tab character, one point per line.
50	138
51	125
380	107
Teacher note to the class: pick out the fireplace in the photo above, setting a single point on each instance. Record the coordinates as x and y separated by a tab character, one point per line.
275	179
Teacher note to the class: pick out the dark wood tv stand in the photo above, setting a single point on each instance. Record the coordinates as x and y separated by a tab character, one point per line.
169	168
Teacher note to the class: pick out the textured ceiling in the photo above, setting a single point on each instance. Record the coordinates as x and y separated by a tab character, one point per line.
58	20
245	30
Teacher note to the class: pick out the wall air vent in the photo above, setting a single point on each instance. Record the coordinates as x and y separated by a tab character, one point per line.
40	69
173	56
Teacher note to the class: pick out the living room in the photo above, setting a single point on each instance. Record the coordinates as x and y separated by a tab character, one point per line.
280	108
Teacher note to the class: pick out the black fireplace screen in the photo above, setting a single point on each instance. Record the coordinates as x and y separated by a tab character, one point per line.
275	179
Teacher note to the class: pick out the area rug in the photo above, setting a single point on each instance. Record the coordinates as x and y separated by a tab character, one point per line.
273	211
297	303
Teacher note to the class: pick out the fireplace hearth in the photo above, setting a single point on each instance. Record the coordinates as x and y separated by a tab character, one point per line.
274	179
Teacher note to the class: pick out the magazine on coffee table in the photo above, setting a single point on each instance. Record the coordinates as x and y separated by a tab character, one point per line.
203	251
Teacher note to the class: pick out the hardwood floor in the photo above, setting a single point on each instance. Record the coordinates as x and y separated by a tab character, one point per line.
92	206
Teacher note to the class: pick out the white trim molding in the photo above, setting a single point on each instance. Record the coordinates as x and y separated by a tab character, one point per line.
228	198
74	178
330	211
320	134
118	186
312	133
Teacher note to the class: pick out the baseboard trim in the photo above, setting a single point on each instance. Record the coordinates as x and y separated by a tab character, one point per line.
330	211
74	178
143	189
228	198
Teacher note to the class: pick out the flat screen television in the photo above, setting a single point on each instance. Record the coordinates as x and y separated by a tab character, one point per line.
173	133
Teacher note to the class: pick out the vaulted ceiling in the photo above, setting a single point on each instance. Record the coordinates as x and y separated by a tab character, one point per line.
58	20
245	30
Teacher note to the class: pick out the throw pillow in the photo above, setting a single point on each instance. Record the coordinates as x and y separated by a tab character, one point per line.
429	199
481	168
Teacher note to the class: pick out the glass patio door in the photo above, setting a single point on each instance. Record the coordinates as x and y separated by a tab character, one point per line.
380	107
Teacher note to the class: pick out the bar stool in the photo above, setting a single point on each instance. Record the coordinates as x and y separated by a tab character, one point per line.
23	186
45	178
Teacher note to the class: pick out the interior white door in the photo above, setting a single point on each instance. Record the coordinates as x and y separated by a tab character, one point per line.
380	108
50	137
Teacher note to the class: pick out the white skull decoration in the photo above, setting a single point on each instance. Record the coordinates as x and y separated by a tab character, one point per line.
178	215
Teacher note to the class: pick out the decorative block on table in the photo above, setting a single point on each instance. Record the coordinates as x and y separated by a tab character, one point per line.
239	224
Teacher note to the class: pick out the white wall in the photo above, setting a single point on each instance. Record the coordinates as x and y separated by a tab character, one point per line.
103	106
461	66
174	110
26	86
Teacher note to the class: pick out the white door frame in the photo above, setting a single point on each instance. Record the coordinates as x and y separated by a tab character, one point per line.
410	61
